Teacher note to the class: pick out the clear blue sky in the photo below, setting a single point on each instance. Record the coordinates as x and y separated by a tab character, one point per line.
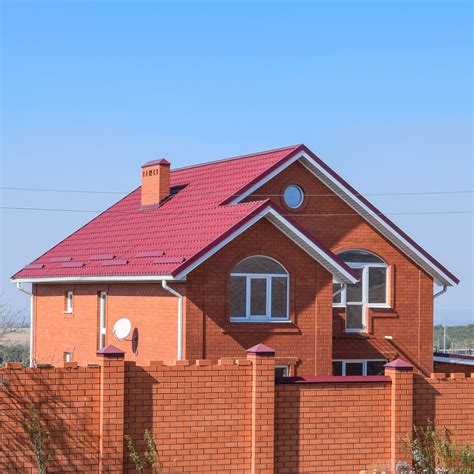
380	90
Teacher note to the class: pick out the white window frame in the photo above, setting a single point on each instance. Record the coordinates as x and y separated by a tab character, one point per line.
357	361
267	318
365	292
69	302
67	356
102	318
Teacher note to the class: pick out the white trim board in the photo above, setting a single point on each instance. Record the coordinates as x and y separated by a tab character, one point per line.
360	208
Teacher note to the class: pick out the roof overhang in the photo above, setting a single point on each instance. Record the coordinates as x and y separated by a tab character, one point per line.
340	271
360	205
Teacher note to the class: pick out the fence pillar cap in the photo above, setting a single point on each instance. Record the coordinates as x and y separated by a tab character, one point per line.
399	364
110	351
261	350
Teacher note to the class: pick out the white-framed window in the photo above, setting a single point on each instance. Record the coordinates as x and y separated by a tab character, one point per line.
69	297
102	319
259	291
282	371
358	367
371	291
67	357
293	196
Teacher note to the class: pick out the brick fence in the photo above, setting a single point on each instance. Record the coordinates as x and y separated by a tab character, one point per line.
224	416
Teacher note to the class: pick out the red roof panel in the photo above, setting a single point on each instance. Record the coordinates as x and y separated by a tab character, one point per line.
181	227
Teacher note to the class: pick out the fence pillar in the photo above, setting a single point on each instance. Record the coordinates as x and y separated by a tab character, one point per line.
263	408
401	408
112	393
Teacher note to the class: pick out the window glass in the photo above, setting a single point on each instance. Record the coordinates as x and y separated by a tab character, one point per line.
259	265
258	296
375	367
281	371
377	284
337	287
259	288
293	196
354	292
337	367
354	368
279	296
359	256
354	317
237	302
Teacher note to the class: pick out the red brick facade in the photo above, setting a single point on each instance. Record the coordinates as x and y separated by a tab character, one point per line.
308	344
224	416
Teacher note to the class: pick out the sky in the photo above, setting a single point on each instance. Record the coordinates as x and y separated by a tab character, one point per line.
381	91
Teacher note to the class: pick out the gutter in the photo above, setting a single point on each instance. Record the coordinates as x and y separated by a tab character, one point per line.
165	286
18	285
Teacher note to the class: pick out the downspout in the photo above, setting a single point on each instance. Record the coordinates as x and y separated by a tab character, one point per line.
444	290
165	286
18	285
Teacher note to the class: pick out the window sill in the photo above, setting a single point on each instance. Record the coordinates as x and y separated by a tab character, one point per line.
285	327
68	313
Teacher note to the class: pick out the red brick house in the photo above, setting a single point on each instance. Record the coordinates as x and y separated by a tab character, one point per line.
208	260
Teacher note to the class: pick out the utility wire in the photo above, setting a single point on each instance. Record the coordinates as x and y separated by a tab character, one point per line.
164	213
84	191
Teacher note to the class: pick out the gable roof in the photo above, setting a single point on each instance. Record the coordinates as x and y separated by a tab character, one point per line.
357	202
168	241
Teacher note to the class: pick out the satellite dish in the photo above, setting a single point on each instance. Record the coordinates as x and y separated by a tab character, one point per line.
122	328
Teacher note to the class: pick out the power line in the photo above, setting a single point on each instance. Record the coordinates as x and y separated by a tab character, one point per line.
85	191
213	214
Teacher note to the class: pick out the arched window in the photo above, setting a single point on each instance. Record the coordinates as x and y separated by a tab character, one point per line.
370	291
259	290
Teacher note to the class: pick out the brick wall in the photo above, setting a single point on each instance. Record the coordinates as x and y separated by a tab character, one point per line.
448	368
410	318
67	400
226	415
447	400
329	427
150	309
199	413
306	341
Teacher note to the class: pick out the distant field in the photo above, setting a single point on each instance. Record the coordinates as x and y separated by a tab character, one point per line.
22	336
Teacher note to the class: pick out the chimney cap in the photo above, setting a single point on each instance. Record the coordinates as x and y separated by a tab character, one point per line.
162	161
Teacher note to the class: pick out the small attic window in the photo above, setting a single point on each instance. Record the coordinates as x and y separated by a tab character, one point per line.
293	196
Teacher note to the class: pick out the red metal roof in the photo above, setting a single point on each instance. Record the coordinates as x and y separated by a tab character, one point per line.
178	229
161	240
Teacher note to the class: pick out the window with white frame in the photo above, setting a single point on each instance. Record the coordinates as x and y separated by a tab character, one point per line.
259	290
358	367
69	297
371	291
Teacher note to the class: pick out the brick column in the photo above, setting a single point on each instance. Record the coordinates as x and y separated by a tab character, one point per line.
263	408
112	393
401	408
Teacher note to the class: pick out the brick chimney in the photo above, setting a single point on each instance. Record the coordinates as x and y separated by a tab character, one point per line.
155	181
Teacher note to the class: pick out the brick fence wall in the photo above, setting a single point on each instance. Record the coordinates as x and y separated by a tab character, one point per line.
225	416
67	400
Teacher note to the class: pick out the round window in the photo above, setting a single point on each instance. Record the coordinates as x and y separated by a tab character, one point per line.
293	196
